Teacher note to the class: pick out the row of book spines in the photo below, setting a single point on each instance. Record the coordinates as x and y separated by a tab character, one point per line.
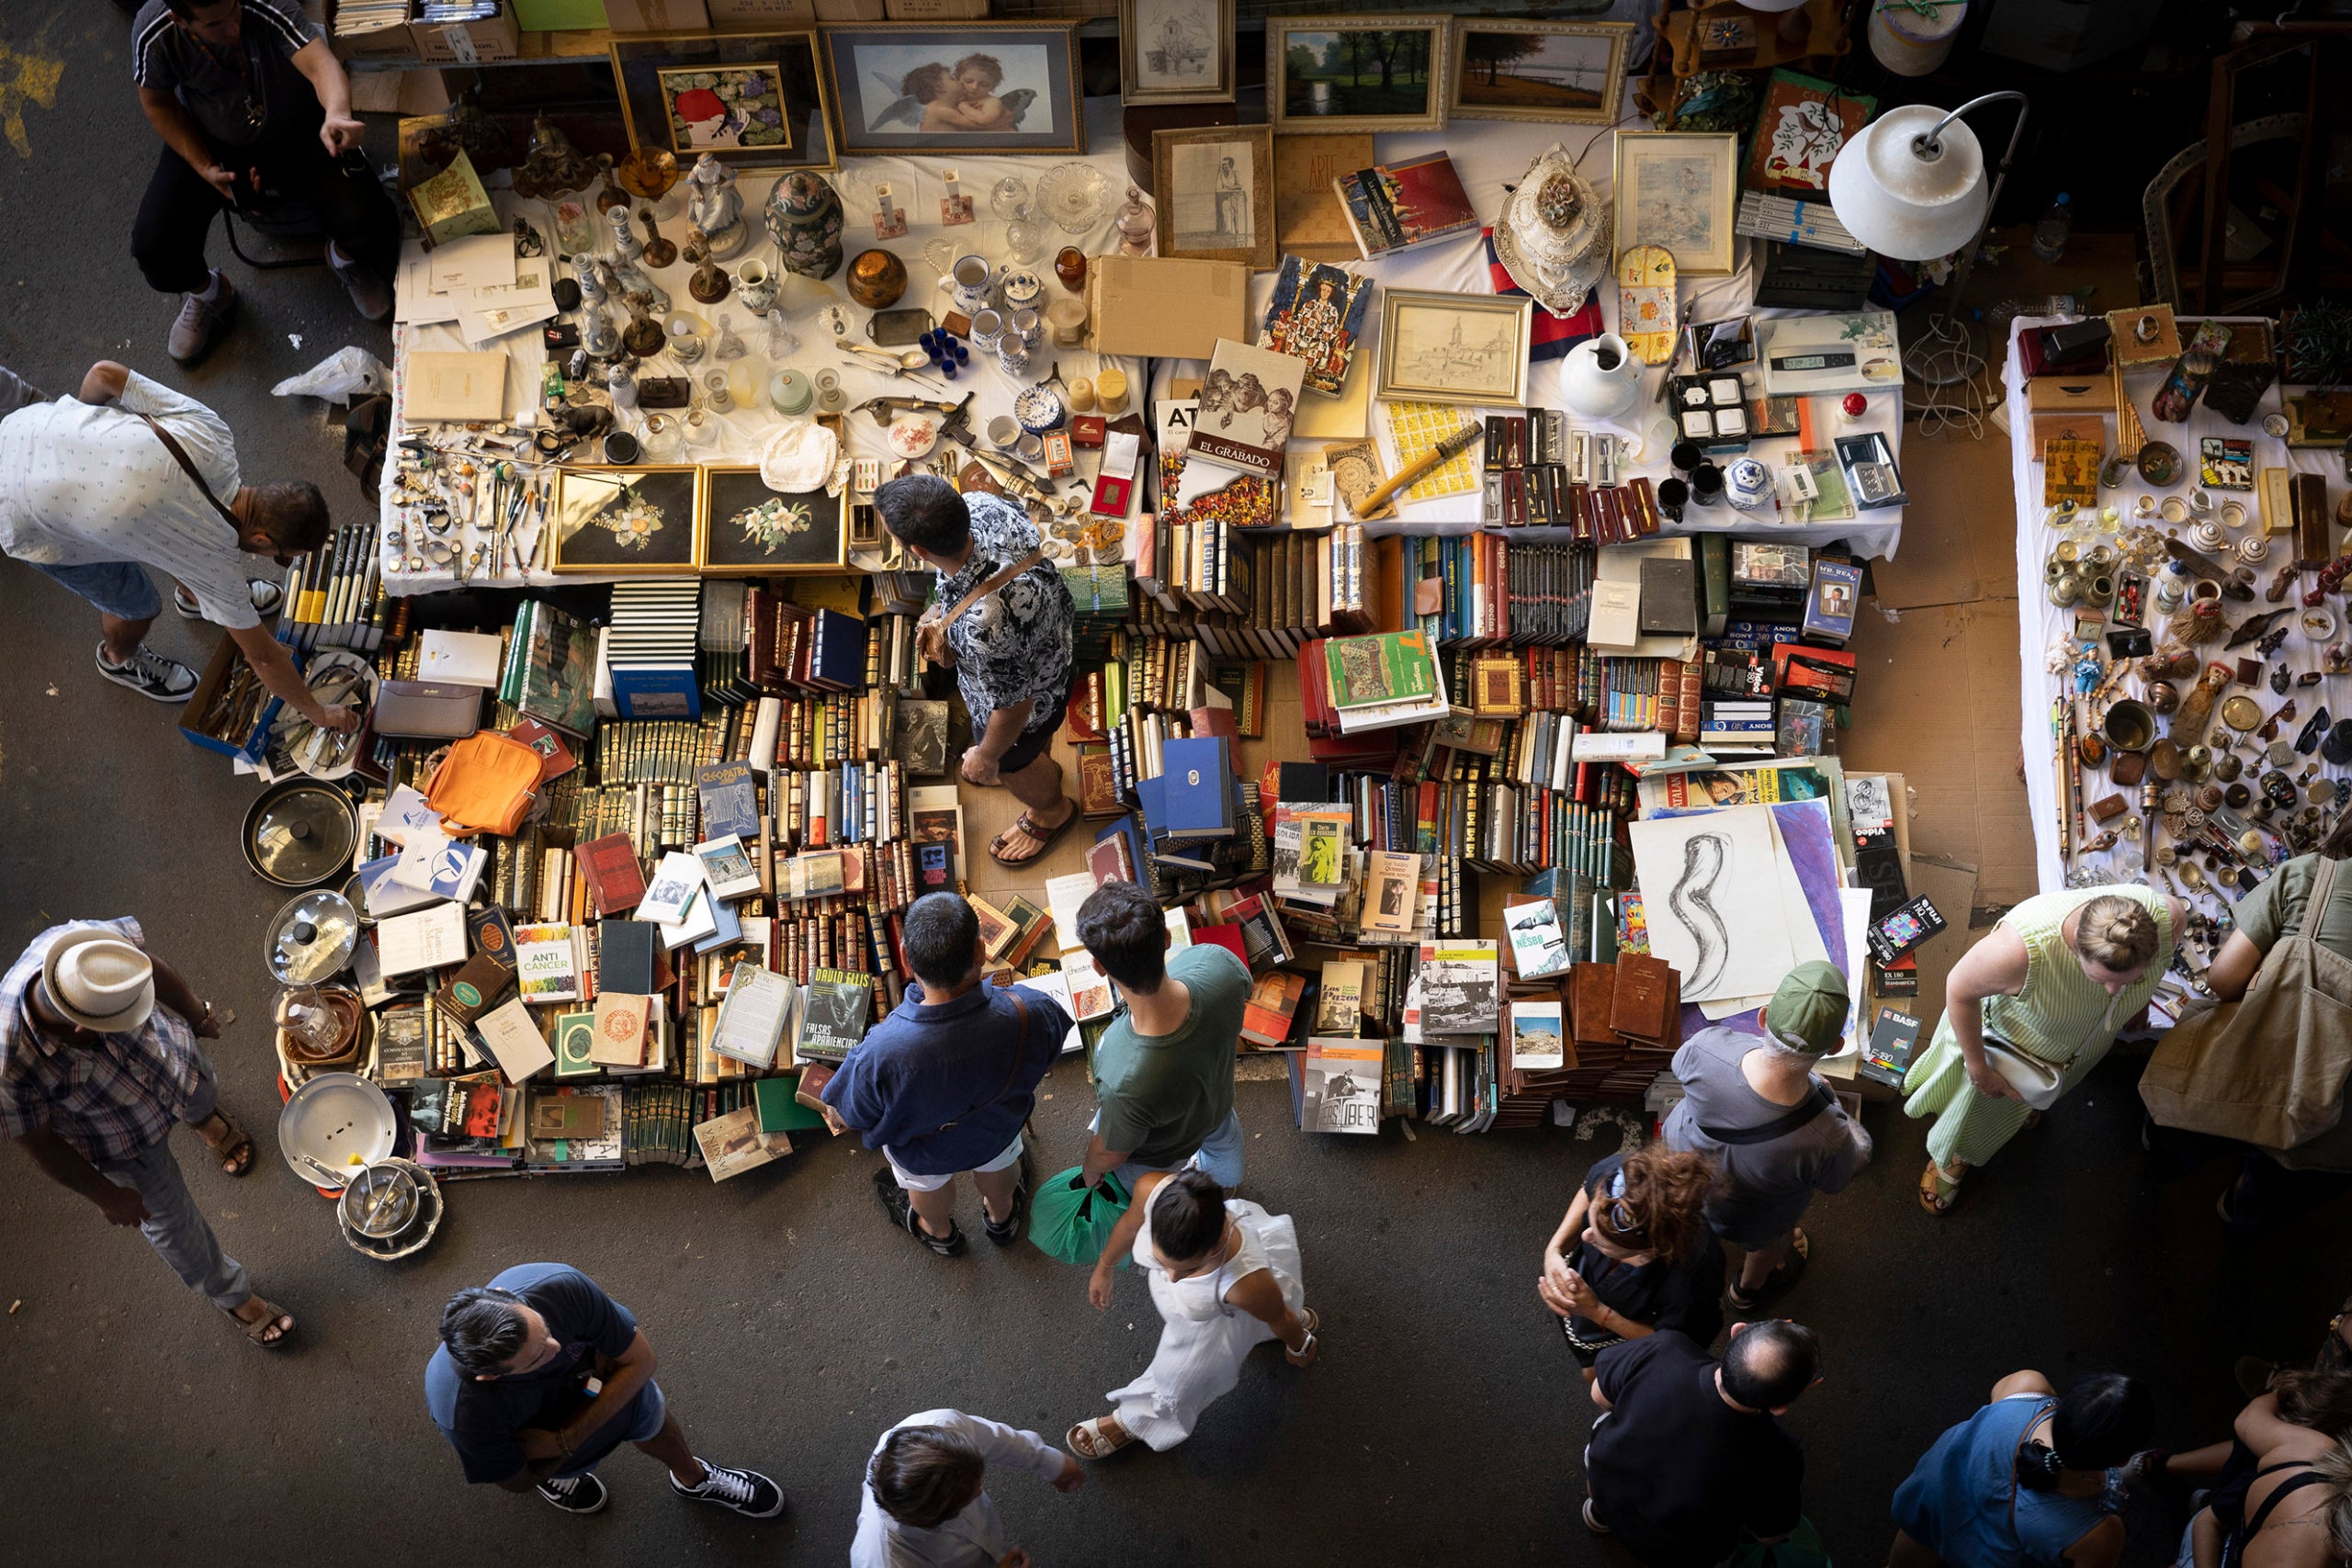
334	597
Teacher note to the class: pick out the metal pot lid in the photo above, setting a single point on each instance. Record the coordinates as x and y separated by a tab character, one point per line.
380	1202
311	938
335	1126
300	834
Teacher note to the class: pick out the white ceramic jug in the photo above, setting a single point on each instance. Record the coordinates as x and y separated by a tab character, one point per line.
1601	379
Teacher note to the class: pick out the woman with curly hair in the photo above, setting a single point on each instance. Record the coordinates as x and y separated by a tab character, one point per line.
1634	1255
2053	983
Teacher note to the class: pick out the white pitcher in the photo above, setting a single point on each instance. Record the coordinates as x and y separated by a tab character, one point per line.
1601	379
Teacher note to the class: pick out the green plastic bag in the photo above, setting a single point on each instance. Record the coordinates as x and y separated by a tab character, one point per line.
1802	1548
1072	1221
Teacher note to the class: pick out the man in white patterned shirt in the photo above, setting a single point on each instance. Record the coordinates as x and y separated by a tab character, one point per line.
924	1505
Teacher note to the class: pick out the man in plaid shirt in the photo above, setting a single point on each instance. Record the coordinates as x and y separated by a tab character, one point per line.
97	1060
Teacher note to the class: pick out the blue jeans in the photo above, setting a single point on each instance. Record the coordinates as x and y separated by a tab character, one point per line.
119	588
1219	1155
175	1227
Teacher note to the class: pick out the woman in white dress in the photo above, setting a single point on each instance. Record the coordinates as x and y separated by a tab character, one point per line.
1226	1275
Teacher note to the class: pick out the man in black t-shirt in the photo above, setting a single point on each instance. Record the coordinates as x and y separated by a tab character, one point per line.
1688	1457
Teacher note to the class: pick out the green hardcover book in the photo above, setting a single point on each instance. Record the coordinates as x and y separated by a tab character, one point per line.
1389	667
780	1112
1714	584
573	1033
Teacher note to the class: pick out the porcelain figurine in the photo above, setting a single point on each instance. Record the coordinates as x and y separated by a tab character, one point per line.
596	334
717	207
659	252
1601	379
710	282
1136	224
804	217
628	277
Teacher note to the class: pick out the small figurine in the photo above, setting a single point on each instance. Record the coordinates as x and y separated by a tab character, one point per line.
710	282
1136	224
626	244
610	194
553	168
727	345
643	336
596	334
717	207
628	277
659	252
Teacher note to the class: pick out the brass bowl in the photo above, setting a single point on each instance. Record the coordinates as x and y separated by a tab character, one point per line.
648	172
2130	726
876	278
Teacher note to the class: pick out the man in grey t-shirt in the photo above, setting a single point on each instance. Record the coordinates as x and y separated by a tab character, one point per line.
1758	1110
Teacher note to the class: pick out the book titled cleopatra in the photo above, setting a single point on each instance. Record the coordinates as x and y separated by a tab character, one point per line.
1398	206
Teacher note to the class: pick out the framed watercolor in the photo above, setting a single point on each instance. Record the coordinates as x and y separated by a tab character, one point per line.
1176	51
1453	348
1678	189
939	87
750	100
1552	73
612	521
744	525
1336	74
1219	204
733	106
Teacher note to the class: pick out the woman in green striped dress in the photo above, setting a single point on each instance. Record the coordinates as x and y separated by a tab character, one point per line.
2054	980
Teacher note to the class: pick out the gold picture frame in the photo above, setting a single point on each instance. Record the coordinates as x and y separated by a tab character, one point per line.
866	61
589	536
1200	174
1678	190
807	534
1536	70
1332	59
644	64
1438	347
686	89
1162	42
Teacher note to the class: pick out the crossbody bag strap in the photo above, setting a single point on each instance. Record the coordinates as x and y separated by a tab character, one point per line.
988	587
179	455
1798	1115
1020	1054
2323	883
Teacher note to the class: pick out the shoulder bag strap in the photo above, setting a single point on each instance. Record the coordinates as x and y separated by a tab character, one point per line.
2323	883
179	456
990	586
1798	1115
1020	1054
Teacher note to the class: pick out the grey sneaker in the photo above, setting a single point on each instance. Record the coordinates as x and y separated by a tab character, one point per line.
150	674
266	597
201	322
369	294
746	1491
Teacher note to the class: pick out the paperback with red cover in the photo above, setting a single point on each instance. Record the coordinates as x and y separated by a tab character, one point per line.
1395	207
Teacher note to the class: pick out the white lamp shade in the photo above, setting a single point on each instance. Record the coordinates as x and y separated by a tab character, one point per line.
1903	204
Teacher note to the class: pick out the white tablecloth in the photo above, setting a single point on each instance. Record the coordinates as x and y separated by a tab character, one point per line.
2040	624
1488	155
915	186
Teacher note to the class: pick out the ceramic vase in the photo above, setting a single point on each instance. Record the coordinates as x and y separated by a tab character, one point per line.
1601	379
804	217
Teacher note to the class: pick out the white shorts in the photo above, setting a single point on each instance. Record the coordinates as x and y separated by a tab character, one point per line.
910	1182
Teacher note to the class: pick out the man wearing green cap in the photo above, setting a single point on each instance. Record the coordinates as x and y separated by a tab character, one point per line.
1758	1110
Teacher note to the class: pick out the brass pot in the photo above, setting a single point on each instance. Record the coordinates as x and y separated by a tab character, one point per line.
2128	725
876	278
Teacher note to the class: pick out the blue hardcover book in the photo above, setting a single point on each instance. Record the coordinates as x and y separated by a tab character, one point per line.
730	800
656	690
837	653
1151	794
1196	775
730	928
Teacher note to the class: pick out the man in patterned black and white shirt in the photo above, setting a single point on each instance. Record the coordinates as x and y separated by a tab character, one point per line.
1011	651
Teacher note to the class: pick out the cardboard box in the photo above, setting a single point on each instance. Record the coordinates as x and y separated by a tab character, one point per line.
935	10
766	15
849	10
391	41
1163	307
468	43
656	15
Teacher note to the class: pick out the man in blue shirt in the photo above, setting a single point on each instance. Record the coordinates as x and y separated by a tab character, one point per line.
540	1374
944	1083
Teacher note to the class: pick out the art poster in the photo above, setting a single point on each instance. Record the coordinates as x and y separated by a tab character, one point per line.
1317	315
726	105
926	87
1711	889
1802	124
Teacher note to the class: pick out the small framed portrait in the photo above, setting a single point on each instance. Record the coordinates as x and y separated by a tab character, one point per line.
750	100
747	527
1453	348
1218	193
1334	74
1554	72
730	107
1678	190
1176	51
940	87
611	520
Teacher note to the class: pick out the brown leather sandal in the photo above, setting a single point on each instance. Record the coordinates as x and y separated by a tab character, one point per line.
271	1331
235	1149
1046	838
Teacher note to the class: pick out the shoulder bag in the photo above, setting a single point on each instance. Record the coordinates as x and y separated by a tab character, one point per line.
2270	1069
931	633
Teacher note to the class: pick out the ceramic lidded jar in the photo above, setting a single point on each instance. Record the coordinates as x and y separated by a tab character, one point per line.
804	217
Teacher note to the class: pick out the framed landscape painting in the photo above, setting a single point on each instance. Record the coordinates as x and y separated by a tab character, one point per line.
1337	74
1176	51
1557	73
750	100
944	87
746	526
615	520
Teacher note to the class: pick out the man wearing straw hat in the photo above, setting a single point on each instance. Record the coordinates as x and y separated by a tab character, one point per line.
93	1074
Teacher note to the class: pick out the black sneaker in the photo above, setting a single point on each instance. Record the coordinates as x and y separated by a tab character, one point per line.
1005	1234
150	674
747	1492
266	597
902	1209
577	1494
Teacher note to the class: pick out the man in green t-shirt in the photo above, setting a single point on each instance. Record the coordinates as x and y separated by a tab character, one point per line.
1163	1072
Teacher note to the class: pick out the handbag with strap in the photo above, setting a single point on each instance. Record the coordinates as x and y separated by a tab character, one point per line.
2268	1069
1796	1116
